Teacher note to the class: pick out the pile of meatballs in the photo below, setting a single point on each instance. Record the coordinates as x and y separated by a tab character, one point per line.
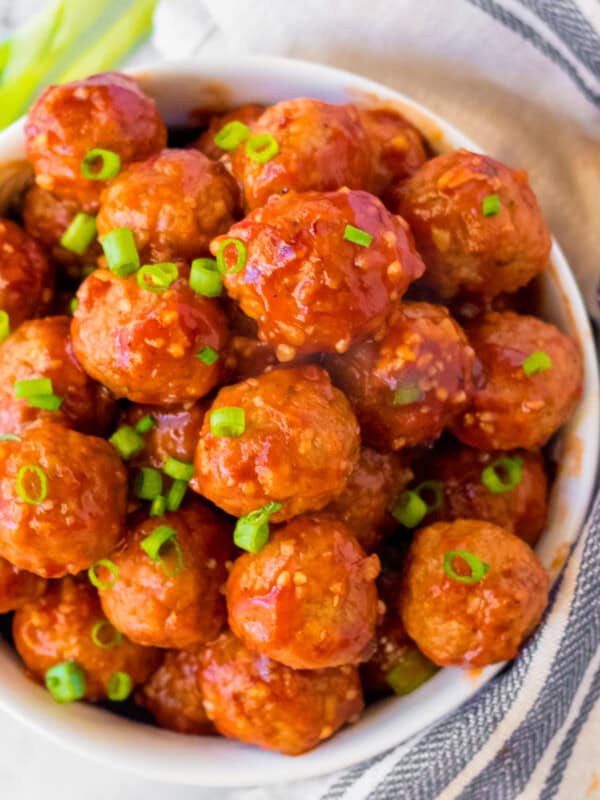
272	412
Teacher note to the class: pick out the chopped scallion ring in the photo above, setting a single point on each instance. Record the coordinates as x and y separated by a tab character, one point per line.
262	147
73	305
231	135
119	687
65	682
180	470
208	356
479	568
156	541
10	437
80	234
357	236
32	387
148	483
228	421
145	424
104	563
100	165
157	277
158	506
22	491
503	474
536	362
409	671
176	494
405	395
240	262
252	531
411	507
205	278
49	402
4	325
100	640
121	253
491	205
127	441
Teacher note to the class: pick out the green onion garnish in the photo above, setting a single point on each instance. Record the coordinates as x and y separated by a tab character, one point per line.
262	147
49	402
119	687
153	544
410	508
240	262
158	506
73	305
357	236
228	421
491	205
157	277
405	395
478	567
148	483
33	387
10	437
127	441
145	424
65	682
231	135
110	164
121	253
80	233
22	490
205	278
176	494
536	362
410	671
503	474
4	325
100	640
104	563
208	356
180	470
252	531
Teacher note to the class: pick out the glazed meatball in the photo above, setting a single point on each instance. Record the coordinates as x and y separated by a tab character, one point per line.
406	388
364	504
475	623
106	111
521	509
59	627
42	348
145	345
477	225
298	446
175	203
174	433
62	500
259	701
309	288
246	114
26	278
173	600
308	599
530	383
18	587
173	694
320	147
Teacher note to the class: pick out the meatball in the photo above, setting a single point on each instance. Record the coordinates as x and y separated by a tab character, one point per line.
520	508
307	286
42	348
146	345
308	599
470	617
174	433
530	383
259	701
26	278
363	506
175	203
171	600
477	225
246	114
173	694
63	625
106	111
298	446
62	500
18	587
406	388
320	147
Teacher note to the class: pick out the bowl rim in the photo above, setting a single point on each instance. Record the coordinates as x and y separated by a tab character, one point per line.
163	755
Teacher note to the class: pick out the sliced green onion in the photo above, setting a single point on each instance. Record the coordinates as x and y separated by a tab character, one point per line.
65	682
121	253
119	687
437	487
405	395
145	424
10	437
80	233
231	135
240	262
127	441
106	564
157	277
536	362
410	671
110	164
357	236
409	509
49	402
228	421
153	544
180	470
158	506
478	567
73	305
252	531
262	147
4	325
208	356
491	205
33	387
148	483
176	494
21	489
100	641
205	278
492	477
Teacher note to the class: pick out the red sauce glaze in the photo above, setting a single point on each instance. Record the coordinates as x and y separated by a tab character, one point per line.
246	114
174	434
18	587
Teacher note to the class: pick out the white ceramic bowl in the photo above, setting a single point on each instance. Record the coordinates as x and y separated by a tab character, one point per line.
159	754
